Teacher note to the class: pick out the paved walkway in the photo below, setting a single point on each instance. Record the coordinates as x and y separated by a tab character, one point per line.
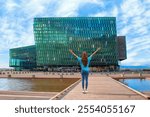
103	88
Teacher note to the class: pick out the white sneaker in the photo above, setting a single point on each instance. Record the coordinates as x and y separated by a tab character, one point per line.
86	91
83	91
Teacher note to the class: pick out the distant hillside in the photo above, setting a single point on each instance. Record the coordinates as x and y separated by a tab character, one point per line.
135	67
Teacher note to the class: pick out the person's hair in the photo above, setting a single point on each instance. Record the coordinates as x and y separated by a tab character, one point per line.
84	58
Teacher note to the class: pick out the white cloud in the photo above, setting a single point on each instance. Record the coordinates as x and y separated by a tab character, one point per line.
33	8
70	8
132	8
146	1
138	57
17	25
111	13
14	34
135	62
11	5
138	51
134	23
124	31
138	43
67	8
115	12
146	14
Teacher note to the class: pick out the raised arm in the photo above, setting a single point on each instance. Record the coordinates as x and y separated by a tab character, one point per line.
73	53
95	52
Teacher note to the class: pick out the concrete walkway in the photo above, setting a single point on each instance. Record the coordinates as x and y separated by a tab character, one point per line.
25	95
103	88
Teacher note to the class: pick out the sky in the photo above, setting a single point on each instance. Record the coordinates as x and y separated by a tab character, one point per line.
132	20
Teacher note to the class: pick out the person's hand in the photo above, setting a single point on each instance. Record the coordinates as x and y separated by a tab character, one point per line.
70	50
98	49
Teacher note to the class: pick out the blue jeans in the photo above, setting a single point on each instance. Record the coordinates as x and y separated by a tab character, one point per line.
85	78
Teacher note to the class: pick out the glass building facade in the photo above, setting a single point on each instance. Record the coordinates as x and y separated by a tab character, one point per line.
23	58
121	41
54	36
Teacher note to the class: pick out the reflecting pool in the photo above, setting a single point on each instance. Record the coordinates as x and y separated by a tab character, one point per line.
36	84
141	85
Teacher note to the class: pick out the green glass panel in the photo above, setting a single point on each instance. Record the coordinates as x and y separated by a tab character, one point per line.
55	36
23	57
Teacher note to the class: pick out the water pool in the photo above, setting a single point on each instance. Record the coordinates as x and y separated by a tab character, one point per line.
41	85
142	85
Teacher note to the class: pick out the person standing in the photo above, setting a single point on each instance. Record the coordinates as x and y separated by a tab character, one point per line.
84	63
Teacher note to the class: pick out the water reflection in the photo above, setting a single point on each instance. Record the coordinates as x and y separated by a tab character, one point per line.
137	84
44	85
15	84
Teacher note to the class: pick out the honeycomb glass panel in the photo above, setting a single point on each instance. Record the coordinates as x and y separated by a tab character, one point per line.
55	36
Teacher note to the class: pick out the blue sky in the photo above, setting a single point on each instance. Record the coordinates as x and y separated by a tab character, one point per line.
133	21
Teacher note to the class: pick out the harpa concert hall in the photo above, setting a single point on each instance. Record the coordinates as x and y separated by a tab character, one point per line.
54	36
